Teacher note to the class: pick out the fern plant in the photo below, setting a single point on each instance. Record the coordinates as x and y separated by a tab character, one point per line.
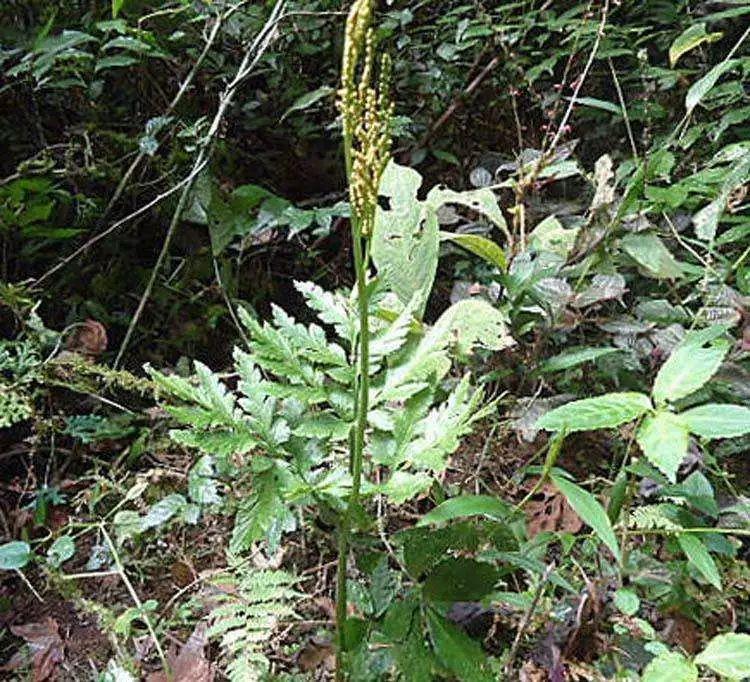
316	408
249	605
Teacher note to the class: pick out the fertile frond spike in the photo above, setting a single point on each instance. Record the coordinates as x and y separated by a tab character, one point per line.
366	112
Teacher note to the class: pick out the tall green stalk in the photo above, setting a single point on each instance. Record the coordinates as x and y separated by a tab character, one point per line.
366	113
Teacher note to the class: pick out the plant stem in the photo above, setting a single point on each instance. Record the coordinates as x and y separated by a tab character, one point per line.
357	443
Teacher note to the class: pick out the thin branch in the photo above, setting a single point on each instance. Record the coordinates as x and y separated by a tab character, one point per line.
140	211
527	618
459	100
249	61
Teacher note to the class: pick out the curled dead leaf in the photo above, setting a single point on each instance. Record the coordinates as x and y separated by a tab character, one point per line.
318	653
551	512
190	664
45	645
89	339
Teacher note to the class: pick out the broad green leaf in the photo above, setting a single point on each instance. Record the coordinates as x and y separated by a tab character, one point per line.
425	547
687	369
728	655
467	505
14	555
663	437
405	240
706	221
699	557
646	249
61	550
469	323
403	486
603	412
162	511
689	39
717	421
308	99
670	667
591	512
457	651
406	235
702	87
460	579
627	601
480	200
263	515
550	235
202	486
114	62
479	246
574	357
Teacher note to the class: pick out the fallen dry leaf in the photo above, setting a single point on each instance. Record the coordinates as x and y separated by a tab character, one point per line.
89	340
318	653
551	513
46	646
190	664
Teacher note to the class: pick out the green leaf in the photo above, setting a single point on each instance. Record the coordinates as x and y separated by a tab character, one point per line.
603	412
728	655
425	547
663	437
591	512
460	579
405	239
117	5
467	505
670	667
689	39
406	236
702	87
699	557
706	221
403	486
687	369
202	486
469	323
263	515
308	99
457	651
479	246
574	357
14	555
646	249
717	421
627	601
162	511
61	550
550	235
596	103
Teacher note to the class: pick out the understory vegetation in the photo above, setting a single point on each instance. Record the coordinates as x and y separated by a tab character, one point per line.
375	340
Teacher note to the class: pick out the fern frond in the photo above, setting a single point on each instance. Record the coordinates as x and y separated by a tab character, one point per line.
652	517
438	435
250	605
332	309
